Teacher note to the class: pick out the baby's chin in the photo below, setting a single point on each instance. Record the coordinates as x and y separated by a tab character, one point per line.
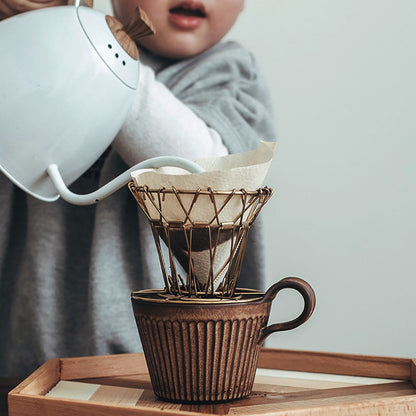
174	51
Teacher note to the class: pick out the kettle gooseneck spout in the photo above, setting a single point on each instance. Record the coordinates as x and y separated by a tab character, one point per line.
119	181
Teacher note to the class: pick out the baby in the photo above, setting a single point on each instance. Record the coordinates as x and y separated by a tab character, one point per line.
67	271
183	28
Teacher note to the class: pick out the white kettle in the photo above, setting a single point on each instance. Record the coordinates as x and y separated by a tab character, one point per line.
66	87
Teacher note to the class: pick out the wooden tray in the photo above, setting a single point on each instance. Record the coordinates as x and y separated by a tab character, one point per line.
288	383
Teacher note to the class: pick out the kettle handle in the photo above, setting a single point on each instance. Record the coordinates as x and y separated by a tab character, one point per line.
309	305
77	3
119	181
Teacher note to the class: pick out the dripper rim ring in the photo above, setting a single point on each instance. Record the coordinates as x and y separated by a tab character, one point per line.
241	295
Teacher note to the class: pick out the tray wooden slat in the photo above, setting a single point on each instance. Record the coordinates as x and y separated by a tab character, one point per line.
102	366
346	364
40	382
120	385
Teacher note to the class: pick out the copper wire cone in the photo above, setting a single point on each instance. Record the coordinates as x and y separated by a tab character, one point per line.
200	236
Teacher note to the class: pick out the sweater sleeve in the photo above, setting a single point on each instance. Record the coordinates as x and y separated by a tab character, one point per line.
224	87
158	123
206	106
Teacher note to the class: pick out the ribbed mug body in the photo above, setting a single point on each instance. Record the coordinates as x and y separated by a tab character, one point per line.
201	351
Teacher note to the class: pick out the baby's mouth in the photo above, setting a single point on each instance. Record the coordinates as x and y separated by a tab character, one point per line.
189	9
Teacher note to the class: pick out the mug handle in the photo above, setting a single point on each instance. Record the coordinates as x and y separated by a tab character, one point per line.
309	305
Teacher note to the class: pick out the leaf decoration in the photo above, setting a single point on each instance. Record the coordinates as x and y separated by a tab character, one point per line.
139	25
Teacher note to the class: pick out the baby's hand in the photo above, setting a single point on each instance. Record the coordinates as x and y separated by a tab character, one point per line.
12	7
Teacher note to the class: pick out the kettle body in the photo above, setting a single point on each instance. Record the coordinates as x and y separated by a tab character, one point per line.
66	88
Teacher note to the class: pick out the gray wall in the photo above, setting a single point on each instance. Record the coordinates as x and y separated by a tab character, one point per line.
342	77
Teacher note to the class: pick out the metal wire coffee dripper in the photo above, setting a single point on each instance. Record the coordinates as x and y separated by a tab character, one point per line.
200	236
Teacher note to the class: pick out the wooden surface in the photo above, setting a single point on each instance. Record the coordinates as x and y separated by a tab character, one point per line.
120	385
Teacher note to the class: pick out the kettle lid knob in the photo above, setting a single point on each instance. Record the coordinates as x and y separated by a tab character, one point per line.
138	26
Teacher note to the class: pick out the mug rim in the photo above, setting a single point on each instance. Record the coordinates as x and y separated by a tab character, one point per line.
161	296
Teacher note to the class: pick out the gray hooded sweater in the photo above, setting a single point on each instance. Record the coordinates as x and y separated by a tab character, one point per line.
66	272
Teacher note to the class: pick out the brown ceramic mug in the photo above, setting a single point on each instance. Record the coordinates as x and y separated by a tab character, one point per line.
206	350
